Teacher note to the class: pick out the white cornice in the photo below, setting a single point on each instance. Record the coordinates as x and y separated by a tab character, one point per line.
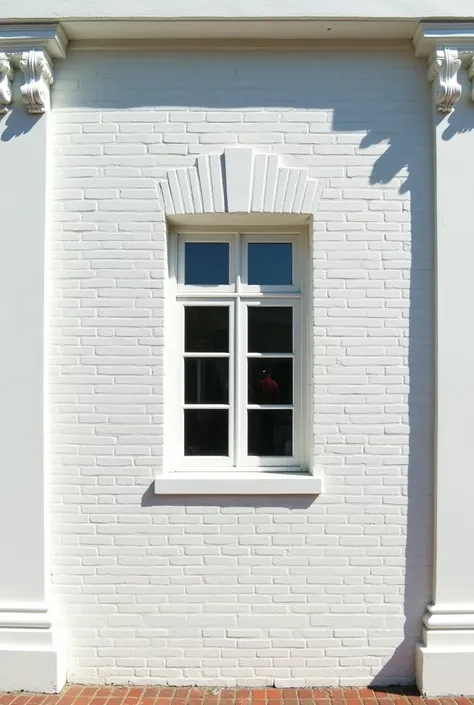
436	35
47	37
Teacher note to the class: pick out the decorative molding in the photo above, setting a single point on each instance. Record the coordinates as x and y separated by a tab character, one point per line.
6	78
38	73
239	181
444	66
20	38
32	649
431	36
446	617
25	617
29	48
470	73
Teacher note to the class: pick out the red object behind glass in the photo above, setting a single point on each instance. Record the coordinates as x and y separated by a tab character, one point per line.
268	390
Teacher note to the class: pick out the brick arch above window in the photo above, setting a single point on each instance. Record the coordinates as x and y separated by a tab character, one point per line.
240	180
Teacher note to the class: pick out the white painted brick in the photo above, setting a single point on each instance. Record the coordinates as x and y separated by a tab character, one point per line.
237	591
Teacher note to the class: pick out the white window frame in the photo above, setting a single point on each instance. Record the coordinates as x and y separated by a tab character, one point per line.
238	297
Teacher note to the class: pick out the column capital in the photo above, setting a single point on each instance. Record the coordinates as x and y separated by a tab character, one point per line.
448	46
31	49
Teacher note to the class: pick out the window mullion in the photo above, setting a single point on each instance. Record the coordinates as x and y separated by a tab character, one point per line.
237	349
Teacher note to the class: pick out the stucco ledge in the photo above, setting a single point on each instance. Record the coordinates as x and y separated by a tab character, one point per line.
237	483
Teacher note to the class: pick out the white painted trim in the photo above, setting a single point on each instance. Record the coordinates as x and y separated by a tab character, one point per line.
32	652
449	617
433	35
25	617
239	181
238	298
218	36
47	37
237	483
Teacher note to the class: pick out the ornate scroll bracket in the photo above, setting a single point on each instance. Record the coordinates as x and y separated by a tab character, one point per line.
470	73
6	78
444	66
37	71
28	50
38	74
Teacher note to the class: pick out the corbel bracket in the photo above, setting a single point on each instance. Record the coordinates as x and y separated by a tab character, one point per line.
443	71
6	78
449	46
29	49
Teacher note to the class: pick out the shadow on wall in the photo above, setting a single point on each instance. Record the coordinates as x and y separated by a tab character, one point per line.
419	543
15	123
385	116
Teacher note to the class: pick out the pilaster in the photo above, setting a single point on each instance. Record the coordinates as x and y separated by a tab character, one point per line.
445	657
31	651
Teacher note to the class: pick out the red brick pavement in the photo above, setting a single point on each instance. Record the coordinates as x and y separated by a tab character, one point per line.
96	695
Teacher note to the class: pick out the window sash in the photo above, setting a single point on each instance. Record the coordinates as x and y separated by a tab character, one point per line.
238	296
211	460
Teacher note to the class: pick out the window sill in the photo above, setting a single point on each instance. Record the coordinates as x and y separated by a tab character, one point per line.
237	483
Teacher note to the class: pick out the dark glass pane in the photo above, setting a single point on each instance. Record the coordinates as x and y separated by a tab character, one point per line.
270	263
270	381
206	263
270	433
270	329
206	329
206	432
206	380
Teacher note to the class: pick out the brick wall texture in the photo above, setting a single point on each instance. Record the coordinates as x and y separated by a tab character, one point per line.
250	590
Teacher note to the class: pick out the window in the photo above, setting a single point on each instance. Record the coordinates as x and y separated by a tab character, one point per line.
238	353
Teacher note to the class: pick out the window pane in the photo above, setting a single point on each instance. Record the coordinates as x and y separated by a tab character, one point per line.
270	263
206	263
206	380
206	329
206	432
270	329
270	433
270	381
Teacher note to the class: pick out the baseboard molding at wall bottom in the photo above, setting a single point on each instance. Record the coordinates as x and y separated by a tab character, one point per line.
444	672
32	660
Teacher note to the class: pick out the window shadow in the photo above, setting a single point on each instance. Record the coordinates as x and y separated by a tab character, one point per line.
150	499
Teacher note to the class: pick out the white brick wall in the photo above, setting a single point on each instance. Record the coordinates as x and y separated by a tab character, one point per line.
244	590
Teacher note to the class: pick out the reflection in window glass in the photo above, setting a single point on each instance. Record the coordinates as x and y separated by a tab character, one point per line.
270	433
270	264
206	432
206	263
206	380
270	380
206	329
270	329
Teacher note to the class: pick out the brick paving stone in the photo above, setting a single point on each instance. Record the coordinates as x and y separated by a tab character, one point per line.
133	695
